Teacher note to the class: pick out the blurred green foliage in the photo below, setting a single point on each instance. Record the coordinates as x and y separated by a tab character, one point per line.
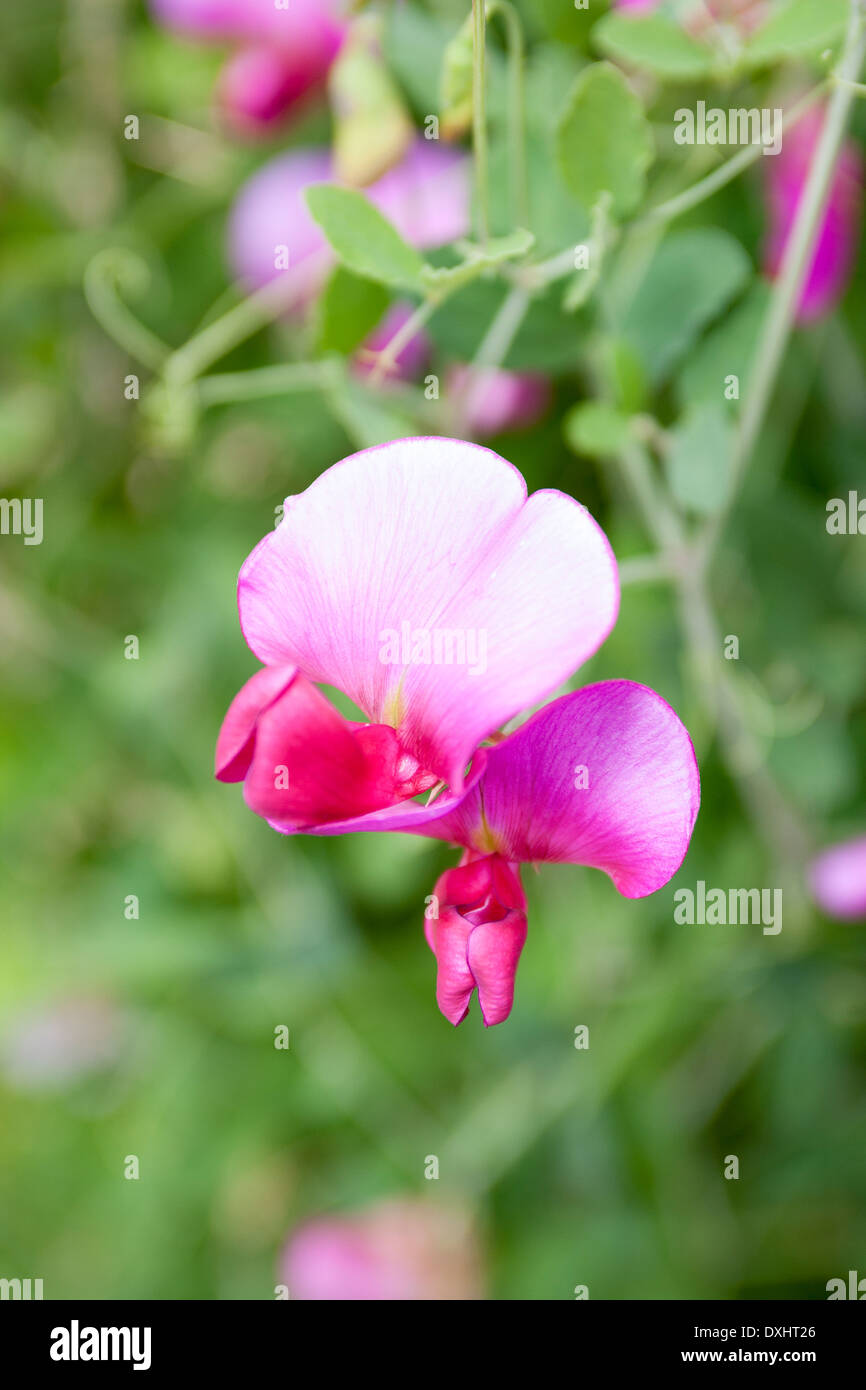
601	1167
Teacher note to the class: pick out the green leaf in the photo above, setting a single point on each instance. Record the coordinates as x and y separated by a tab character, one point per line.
802	26
363	239
692	277
348	309
654	42
698	466
725	352
603	141
595	429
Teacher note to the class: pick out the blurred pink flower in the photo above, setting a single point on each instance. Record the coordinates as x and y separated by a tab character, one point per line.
59	1043
495	400
394	1251
836	245
426	196
837	879
284	51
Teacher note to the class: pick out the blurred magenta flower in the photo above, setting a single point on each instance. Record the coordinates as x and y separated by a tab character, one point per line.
836	246
605	777
495	400
420	580
284	51
396	1251
426	196
837	878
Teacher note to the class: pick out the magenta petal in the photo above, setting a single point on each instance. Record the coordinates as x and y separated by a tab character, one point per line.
259	85
476	932
493	953
301	762
311	29
448	938
310	765
419	579
835	248
234	750
604	777
407	816
838	879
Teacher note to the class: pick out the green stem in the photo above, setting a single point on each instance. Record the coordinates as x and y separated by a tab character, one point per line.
479	117
706	187
799	250
264	381
108	272
233	328
516	109
771	812
493	348
644	569
387	358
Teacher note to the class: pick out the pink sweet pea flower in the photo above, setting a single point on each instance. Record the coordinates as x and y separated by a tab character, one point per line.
395	1251
837	878
285	51
836	245
429	546
494	400
420	580
605	777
